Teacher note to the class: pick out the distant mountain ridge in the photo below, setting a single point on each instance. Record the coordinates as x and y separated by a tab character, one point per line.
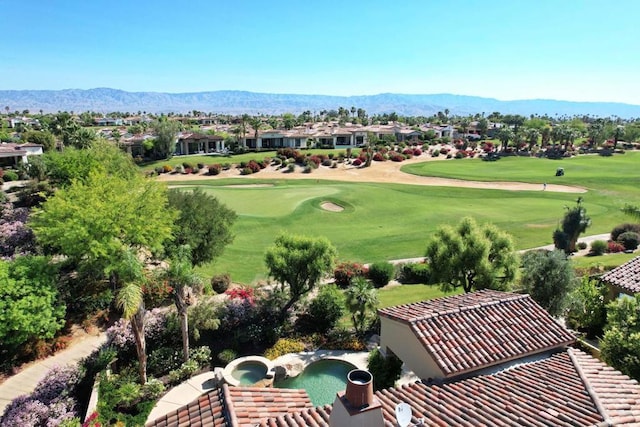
237	102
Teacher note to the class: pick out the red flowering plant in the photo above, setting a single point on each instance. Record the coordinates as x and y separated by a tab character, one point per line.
92	421
242	293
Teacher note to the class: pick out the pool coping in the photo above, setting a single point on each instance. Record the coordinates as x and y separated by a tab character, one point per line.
227	372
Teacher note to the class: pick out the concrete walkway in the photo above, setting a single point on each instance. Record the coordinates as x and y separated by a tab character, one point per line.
25	381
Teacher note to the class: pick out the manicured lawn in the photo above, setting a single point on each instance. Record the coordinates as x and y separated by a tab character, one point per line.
605	262
407	294
382	221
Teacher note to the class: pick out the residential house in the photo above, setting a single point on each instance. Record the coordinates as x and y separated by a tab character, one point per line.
107	121
197	143
12	154
502	361
624	279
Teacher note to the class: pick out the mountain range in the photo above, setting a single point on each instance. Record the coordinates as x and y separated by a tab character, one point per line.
238	102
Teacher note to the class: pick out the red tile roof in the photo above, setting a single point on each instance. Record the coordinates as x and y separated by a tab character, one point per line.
569	388
473	331
625	276
237	407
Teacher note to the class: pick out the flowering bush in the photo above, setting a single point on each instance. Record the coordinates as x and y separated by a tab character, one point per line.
378	157
417	152
282	347
49	405
346	271
242	293
15	237
120	334
614	247
356	162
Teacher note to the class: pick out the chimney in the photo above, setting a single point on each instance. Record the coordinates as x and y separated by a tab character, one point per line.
357	405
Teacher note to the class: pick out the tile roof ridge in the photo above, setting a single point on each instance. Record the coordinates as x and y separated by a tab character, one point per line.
227	405
592	393
504	298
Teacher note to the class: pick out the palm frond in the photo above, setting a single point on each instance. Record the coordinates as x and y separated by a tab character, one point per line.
128	299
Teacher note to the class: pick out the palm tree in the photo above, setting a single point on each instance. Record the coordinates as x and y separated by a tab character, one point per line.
531	136
182	279
505	134
464	127
256	124
361	301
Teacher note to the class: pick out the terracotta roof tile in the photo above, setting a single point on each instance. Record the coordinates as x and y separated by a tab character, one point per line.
626	276
468	332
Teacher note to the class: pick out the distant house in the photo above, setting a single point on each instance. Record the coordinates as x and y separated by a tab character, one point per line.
108	121
624	279
503	362
197	143
14	154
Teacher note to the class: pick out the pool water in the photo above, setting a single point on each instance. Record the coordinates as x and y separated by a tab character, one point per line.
249	372
321	380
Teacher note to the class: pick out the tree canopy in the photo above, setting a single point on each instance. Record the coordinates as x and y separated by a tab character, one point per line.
574	223
204	224
472	256
549	278
30	307
298	263
620	345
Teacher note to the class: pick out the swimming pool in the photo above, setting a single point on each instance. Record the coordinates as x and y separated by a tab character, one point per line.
249	372
321	380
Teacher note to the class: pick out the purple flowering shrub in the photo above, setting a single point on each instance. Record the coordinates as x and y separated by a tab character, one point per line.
120	335
15	237
50	404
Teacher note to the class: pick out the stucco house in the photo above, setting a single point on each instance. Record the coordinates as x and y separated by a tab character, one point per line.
502	361
624	279
197	143
14	154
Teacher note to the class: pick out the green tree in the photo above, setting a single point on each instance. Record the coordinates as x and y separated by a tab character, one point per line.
361	300
549	278
74	164
472	256
504	135
30	307
483	127
82	138
574	223
204	224
298	263
324	310
164	144
288	120
385	370
104	225
44	138
587	307
620	346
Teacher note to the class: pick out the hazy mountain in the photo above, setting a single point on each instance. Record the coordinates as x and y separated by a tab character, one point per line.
234	102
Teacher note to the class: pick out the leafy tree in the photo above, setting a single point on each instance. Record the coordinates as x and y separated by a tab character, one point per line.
361	302
324	311
44	138
504	135
166	132
30	307
472	256
587	307
74	164
204	224
574	223
103	225
549	278
298	263
82	138
483	127
63	126
620	346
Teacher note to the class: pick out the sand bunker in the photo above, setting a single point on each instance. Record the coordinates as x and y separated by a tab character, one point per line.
332	207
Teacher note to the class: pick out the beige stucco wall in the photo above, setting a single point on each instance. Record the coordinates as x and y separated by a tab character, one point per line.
399	338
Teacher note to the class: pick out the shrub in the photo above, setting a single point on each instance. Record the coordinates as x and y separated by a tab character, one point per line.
356	162
276	161
187	165
220	283
343	339
283	346
324	311
396	157
414	272
215	169
380	273
346	271
385	370
614	247
185	371
201	355
378	157
629	240
581	245
163	360
435	153
308	169
623	228
598	247
246	171
227	356
291	167
203	318
10	176
327	162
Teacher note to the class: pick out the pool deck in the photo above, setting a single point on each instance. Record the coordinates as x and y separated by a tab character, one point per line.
295	363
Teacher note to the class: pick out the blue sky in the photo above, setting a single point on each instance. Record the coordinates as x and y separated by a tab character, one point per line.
507	49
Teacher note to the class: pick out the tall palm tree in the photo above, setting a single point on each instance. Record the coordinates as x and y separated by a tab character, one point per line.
531	136
361	301
256	124
183	280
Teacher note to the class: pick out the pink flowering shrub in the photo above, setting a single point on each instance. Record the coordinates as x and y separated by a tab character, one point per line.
15	237
120	335
356	162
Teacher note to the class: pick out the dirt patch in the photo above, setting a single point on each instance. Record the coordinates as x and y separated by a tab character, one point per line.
385	172
332	207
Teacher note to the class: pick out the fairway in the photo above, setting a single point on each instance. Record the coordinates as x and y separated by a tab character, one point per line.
383	221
